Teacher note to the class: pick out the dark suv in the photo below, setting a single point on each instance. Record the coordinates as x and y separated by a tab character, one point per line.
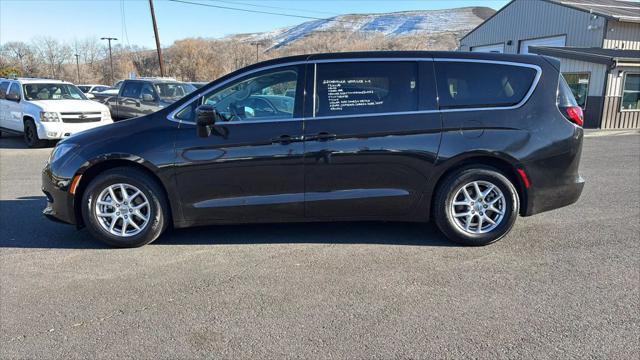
144	96
469	140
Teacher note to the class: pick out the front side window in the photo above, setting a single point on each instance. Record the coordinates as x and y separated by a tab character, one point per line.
579	84
132	89
84	88
365	88
264	97
478	84
147	89
14	89
631	92
54	91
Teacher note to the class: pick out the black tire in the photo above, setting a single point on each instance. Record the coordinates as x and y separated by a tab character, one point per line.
31	135
158	209
447	190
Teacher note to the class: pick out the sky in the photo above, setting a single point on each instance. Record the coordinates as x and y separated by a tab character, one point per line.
130	20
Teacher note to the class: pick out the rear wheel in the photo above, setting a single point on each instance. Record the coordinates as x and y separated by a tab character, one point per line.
124	207
31	135
476	206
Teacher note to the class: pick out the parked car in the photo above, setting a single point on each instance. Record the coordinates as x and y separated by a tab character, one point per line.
104	95
44	109
144	96
93	88
469	140
198	84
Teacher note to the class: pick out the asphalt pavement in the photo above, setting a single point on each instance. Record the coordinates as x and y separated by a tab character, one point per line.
563	284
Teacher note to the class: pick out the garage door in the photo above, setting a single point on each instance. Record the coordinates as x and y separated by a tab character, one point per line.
548	41
495	48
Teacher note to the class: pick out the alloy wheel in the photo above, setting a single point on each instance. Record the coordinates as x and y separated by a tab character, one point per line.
478	207
122	210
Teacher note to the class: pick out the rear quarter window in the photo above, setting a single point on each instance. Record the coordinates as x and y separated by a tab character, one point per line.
479	85
4	86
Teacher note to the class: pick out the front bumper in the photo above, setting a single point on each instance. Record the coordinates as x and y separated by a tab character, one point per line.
62	130
60	203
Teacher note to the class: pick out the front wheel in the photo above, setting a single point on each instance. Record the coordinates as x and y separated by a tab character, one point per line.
31	135
124	207
476	206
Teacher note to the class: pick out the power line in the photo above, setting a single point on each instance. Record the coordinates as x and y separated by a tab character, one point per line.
275	7
263	12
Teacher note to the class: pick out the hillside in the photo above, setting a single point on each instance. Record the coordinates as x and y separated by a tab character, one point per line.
391	25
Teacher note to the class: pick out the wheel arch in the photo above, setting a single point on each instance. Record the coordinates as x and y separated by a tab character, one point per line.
92	170
504	164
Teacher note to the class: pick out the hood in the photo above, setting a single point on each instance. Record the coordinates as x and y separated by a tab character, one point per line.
69	105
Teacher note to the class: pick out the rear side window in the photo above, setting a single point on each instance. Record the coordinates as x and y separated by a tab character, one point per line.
477	85
366	88
4	86
132	89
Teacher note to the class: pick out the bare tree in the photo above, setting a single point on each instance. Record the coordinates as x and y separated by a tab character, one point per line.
53	53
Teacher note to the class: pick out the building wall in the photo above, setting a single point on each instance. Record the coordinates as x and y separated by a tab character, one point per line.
612	117
528	19
595	98
622	36
597	73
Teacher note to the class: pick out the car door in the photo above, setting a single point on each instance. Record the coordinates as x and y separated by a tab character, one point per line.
371	138
251	167
129	100
4	87
13	114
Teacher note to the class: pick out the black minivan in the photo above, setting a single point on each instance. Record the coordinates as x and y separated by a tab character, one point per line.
470	140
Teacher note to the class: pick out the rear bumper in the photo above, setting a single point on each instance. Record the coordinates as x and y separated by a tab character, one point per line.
59	201
545	199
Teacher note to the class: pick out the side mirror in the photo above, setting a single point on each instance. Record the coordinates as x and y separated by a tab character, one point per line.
90	96
148	97
13	97
206	117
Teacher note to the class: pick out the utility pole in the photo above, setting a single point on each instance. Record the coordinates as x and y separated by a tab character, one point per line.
78	66
155	31
110	56
257	45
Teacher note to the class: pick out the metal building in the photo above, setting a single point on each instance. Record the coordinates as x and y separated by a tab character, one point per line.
597	42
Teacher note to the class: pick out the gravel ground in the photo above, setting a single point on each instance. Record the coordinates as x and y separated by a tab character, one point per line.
563	284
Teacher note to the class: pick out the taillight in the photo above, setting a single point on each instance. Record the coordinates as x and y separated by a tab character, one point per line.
575	115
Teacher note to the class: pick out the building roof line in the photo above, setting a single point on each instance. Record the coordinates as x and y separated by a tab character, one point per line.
570	5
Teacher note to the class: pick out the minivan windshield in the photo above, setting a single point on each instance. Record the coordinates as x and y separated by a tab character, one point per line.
53	91
173	91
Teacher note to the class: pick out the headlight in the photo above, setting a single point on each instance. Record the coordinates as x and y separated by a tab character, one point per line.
106	115
60	150
47	116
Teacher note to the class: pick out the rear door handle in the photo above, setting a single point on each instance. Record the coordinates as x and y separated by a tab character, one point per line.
322	136
286	139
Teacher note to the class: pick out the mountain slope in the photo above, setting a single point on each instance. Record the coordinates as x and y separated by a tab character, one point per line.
397	24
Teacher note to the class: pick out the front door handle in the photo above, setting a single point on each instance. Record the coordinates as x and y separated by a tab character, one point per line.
286	139
322	136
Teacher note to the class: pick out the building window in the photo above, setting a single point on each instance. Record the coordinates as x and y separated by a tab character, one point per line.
631	92
579	84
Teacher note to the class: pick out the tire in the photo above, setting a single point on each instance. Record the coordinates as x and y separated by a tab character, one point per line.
468	229
157	211
31	135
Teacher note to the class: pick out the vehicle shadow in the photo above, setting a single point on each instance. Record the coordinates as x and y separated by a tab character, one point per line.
11	141
22	225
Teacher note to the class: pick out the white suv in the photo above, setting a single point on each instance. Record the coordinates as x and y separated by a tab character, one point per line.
44	109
